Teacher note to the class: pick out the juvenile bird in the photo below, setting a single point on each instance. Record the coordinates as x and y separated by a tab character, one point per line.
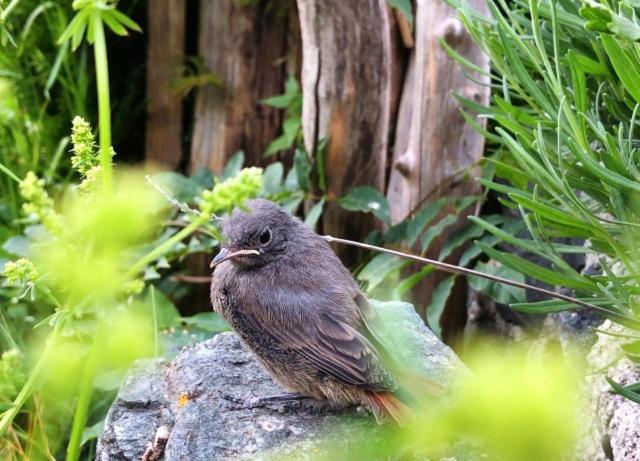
300	312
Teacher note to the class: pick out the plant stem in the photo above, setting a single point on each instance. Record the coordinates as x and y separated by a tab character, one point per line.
31	384
84	400
453	269
7	10
104	104
9	173
166	246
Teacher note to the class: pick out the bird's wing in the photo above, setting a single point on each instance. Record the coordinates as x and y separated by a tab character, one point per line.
340	351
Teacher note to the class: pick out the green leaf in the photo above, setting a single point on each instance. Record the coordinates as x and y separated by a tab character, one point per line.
272	178
632	350
314	214
499	292
459	238
423	218
165	313
279	144
207	321
113	24
18	245
180	187
550	276
302	165
203	177
438	302
623	391
92	432
292	87
233	166
435	231
379	268
627	68
280	101
125	20
366	199
555	305
408	283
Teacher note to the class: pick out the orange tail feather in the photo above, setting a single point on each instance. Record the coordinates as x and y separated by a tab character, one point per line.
386	405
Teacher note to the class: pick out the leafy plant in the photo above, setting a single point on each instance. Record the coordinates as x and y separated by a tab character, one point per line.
291	102
565	109
34	73
385	275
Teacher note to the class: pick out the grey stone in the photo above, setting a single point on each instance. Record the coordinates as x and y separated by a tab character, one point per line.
190	396
612	432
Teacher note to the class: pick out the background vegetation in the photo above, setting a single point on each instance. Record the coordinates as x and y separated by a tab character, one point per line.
98	258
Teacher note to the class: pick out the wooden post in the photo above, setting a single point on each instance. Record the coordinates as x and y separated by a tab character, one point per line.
350	75
244	45
433	143
165	50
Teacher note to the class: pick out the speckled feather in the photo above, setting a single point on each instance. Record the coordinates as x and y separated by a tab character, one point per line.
299	310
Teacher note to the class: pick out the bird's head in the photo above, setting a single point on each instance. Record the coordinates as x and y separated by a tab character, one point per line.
255	236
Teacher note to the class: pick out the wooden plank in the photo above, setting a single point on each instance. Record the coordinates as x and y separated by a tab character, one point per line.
244	45
350	74
165	50
434	147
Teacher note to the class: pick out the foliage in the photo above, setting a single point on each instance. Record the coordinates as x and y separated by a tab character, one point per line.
485	416
387	276
194	74
41	88
565	109
291	102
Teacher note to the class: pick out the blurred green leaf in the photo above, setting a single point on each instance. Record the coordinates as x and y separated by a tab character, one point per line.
233	166
302	165
166	314
272	178
438	302
180	187
499	292
17	245
368	200
380	267
206	321
314	214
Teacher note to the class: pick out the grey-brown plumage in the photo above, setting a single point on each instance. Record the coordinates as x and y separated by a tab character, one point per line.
298	309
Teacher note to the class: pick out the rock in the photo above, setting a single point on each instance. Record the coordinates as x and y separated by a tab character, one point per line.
190	397
613	431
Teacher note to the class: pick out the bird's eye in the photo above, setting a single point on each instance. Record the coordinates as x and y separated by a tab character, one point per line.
265	237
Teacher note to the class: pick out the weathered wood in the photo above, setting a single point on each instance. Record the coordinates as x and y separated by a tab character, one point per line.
244	45
350	75
165	49
430	157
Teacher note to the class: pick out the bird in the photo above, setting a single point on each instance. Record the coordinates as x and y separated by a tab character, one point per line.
299	311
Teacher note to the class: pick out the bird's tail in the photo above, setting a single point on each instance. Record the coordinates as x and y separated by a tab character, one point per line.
401	404
386	405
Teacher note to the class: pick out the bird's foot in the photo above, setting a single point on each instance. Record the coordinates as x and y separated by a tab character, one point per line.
279	402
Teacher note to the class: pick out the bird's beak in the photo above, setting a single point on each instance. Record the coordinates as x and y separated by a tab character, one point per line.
225	255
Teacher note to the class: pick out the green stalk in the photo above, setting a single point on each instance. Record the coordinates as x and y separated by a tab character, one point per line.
104	104
166	246
31	384
7	10
84	400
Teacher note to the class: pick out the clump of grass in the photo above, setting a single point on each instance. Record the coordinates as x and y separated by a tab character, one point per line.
565	106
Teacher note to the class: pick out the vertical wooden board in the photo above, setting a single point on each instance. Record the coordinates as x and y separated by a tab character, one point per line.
165	49
432	155
349	81
245	45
